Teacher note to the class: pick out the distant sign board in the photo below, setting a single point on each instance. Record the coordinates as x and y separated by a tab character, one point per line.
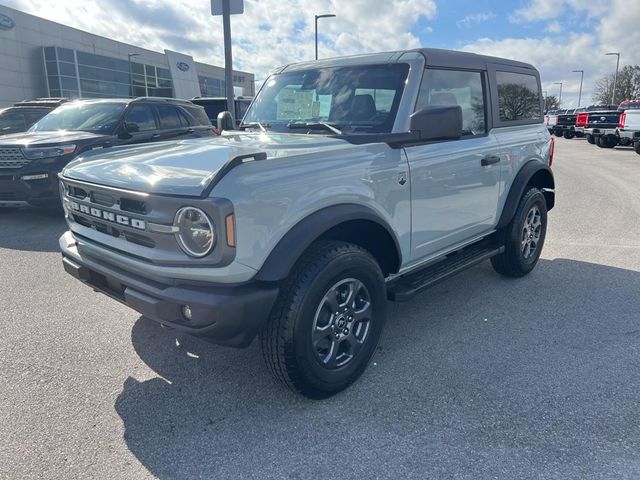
6	22
236	7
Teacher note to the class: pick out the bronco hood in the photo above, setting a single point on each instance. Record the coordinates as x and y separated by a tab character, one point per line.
186	167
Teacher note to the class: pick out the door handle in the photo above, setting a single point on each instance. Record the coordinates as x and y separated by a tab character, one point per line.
489	160
155	135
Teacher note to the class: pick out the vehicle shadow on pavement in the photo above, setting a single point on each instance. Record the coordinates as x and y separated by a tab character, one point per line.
31	229
468	374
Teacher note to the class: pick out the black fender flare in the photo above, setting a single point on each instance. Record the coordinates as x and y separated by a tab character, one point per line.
290	247
523	178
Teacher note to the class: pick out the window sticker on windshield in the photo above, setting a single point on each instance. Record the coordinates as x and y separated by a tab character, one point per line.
295	104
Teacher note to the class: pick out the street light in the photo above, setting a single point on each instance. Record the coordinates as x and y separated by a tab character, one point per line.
326	15
560	96
615	79
130	80
581	72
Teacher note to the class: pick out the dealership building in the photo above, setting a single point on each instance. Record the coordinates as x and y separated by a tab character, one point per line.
40	58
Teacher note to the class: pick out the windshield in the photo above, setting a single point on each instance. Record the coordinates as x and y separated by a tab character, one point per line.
86	117
360	99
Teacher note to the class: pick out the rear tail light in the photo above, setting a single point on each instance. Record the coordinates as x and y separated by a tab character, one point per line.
582	119
623	117
552	149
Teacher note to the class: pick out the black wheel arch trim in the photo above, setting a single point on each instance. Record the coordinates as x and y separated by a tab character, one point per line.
290	247
524	176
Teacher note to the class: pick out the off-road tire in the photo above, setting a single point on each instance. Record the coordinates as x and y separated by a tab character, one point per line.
286	338
591	139
512	262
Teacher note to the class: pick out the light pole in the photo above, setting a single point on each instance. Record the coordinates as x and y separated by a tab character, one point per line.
615	78
130	80
581	72
560	97
326	15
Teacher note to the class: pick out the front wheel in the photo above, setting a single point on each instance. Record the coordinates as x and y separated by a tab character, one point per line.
327	321
524	236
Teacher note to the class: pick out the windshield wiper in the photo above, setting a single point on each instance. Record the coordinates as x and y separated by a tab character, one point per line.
254	125
314	125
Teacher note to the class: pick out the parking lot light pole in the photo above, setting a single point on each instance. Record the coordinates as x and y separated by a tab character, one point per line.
581	78
615	78
326	15
130	80
560	96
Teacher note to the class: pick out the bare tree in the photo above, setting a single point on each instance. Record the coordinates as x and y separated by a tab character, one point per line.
517	102
627	87
551	103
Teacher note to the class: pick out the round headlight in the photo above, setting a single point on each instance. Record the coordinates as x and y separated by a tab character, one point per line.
195	231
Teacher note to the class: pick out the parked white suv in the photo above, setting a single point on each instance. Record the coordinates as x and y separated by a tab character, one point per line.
629	127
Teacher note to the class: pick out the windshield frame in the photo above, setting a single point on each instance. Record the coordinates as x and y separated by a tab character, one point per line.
350	126
79	105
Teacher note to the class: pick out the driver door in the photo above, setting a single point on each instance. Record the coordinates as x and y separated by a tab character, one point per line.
143	116
455	184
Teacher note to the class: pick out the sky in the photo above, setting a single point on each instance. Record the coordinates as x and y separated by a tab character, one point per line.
556	36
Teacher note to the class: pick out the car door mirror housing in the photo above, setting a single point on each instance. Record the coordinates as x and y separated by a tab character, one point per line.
437	122
131	127
225	121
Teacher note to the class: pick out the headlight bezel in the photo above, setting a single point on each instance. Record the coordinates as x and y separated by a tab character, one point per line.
179	234
38	153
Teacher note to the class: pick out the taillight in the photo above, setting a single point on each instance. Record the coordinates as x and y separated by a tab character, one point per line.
552	149
582	119
623	117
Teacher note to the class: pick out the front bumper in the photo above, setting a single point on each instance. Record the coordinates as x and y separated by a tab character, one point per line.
35	183
222	314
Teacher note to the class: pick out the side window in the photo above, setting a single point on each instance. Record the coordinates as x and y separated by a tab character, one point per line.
518	97
143	116
12	122
199	115
454	87
169	117
382	98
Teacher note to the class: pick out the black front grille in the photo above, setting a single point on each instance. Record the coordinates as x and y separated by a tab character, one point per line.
12	157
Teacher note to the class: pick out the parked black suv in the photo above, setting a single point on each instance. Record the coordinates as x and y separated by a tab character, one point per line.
22	115
214	105
30	162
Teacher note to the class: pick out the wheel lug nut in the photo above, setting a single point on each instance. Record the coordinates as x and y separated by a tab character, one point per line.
346	331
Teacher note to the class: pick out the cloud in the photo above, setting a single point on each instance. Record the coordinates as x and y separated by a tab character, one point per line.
270	33
475	19
553	27
615	31
540	10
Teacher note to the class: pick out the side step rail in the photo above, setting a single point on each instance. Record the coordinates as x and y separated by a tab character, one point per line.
402	288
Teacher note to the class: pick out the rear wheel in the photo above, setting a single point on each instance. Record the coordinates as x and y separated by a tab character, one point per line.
524	236
327	321
558	133
606	142
636	147
591	139
568	134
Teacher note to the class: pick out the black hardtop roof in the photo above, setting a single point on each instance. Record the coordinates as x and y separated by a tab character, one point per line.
133	100
434	57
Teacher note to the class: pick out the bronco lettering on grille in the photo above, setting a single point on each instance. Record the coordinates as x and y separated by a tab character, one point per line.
109	216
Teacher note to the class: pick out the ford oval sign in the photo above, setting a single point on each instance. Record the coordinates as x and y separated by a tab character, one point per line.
182	66
6	22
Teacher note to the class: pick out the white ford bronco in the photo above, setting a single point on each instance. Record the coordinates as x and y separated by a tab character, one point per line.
350	182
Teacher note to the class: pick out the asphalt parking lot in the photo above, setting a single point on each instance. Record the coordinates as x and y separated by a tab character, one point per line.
480	377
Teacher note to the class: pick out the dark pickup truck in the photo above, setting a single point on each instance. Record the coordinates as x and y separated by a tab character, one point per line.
566	124
601	124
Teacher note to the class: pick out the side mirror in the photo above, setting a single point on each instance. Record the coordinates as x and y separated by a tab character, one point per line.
225	121
131	127
437	122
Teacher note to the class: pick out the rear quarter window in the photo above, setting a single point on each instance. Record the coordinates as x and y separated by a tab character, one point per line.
518	98
199	115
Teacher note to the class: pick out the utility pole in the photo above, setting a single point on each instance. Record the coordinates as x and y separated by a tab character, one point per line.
581	78
615	78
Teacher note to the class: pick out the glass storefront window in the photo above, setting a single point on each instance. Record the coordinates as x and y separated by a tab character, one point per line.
68	69
50	54
137	68
66	55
